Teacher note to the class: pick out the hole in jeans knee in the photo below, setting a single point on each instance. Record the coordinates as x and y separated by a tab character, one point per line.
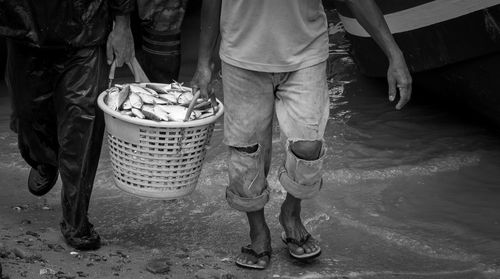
307	149
247	149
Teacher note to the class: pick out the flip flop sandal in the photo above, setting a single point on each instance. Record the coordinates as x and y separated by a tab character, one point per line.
249	251
300	243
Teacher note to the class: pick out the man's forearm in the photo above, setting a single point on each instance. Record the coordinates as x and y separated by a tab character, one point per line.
370	17
210	21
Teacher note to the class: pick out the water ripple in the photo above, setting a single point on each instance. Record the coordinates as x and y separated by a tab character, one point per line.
452	162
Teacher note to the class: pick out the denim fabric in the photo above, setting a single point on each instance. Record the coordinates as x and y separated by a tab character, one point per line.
247	179
301	178
300	100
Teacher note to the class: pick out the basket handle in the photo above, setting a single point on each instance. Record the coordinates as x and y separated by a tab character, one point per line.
213	101
111	75
191	105
136	69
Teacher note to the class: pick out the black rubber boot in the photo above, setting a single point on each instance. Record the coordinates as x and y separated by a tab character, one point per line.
42	179
90	241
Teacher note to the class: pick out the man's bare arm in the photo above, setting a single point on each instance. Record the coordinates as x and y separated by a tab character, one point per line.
209	33
398	76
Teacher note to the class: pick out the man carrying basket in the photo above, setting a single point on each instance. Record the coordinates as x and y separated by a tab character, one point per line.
56	68
274	59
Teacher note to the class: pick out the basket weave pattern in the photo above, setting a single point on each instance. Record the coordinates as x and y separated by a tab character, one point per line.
159	160
164	163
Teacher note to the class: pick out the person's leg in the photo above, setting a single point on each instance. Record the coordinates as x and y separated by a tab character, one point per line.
302	109
161	38
80	130
30	78
248	113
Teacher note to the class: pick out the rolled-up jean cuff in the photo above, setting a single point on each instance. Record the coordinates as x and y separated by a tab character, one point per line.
247	204
297	190
302	178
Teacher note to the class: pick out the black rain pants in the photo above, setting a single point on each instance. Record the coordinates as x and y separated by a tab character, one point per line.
54	93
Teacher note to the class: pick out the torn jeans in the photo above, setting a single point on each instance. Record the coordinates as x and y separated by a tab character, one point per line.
301	103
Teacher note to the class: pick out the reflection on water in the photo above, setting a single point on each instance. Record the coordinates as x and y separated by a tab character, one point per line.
422	178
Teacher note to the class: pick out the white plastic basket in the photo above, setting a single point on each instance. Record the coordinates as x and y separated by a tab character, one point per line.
159	160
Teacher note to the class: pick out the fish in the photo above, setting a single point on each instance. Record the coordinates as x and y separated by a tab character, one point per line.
154	113
200	114
117	97
163	115
148	111
156	88
152	100
127	112
160	101
139	89
176	112
146	98
170	97
137	113
135	100
112	97
185	98
151	91
195	114
127	105
123	95
178	86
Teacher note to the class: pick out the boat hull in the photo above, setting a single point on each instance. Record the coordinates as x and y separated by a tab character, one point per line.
431	34
474	83
454	56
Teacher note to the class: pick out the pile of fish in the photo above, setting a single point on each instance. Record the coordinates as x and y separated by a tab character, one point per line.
159	102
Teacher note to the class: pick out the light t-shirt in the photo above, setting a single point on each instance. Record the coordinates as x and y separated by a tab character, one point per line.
273	35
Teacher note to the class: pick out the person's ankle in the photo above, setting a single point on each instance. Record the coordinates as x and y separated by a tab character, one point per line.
291	207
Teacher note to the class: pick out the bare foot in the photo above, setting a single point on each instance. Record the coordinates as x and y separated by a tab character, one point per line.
294	228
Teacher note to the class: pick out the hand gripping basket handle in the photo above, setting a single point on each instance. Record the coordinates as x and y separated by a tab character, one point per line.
135	69
193	103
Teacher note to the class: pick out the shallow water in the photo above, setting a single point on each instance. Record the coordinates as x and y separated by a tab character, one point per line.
424	178
407	194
